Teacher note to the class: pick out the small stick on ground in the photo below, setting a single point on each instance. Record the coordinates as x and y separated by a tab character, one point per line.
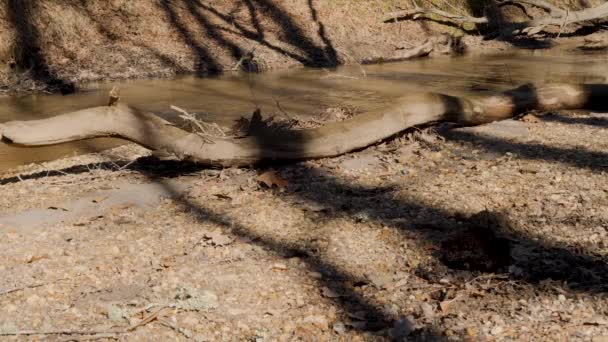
64	332
16	289
32	286
151	317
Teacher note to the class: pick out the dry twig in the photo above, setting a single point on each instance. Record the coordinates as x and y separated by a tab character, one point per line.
200	127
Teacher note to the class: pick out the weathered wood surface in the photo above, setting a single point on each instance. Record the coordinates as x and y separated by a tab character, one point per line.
336	138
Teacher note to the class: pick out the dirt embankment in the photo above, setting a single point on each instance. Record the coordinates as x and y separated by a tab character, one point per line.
72	42
53	44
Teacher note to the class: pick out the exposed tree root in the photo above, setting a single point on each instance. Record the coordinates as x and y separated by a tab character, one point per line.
555	16
264	144
429	13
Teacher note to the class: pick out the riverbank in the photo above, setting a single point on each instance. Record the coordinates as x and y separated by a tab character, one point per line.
54	46
489	233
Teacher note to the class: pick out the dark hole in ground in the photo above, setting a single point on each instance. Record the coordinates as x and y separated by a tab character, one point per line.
477	247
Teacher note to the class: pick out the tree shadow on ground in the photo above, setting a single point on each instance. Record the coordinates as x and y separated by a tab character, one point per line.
467	246
601	122
28	53
377	319
205	63
111	36
576	157
294	35
290	33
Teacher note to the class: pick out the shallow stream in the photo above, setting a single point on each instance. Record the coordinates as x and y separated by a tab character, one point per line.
302	91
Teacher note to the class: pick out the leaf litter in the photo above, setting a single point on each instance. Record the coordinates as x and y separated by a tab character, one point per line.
454	237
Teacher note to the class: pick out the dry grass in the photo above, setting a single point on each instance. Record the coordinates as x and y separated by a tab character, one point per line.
84	41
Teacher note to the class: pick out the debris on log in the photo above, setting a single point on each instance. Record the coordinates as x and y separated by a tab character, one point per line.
267	145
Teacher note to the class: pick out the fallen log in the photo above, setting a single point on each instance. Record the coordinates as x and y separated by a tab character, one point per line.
264	145
555	16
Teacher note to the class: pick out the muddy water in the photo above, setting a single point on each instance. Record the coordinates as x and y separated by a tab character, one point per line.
303	91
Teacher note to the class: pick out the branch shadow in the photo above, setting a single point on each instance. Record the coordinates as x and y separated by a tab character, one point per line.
295	36
28	53
310	54
334	277
377	319
576	157
466	245
330	53
595	121
238	54
205	63
478	244
103	29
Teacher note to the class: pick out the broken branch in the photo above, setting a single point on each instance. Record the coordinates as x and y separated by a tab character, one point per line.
551	9
556	16
424	13
333	139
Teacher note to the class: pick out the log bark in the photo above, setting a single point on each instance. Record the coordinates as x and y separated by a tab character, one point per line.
572	17
153	132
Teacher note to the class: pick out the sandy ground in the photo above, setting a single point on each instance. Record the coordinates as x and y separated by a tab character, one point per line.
478	234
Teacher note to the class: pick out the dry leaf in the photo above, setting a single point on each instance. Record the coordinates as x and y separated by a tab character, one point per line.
270	178
445	306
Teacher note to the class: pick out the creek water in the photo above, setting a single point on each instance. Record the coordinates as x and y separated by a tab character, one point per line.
302	92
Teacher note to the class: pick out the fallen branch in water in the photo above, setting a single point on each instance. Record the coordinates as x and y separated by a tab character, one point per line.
402	55
267	144
555	16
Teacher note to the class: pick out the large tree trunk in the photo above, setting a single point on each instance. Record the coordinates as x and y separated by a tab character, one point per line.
153	132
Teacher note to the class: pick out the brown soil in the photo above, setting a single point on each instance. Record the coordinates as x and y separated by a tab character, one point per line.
490	233
82	41
53	45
